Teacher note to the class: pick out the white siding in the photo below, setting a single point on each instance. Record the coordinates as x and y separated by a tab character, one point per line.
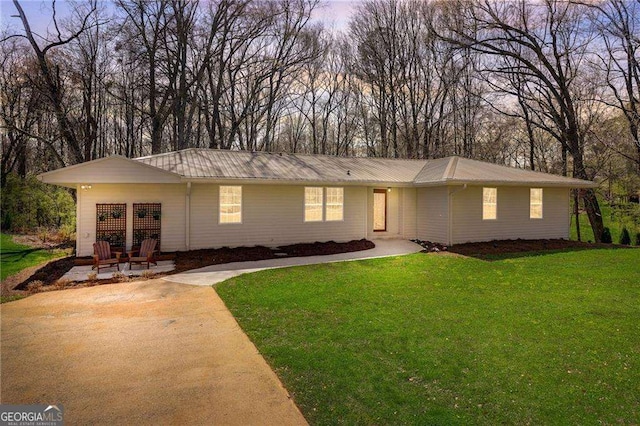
272	215
513	215
432	214
172	197
409	213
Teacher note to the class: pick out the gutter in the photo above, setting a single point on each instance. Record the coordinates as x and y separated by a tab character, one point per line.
450	213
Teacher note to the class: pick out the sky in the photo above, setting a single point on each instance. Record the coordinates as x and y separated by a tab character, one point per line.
334	13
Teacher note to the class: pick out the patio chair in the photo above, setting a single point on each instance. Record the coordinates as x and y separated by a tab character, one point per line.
103	257
146	254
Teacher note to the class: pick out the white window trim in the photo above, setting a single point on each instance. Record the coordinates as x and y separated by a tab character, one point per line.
483	203
541	204
323	205
304	205
220	222
326	204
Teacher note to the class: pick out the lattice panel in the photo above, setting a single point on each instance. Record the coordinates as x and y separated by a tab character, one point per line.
147	218
111	225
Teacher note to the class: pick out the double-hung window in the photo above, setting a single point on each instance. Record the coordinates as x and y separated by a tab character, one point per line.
230	204
323	204
313	204
334	209
489	203
535	203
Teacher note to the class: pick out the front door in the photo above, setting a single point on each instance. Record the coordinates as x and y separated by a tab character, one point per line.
379	210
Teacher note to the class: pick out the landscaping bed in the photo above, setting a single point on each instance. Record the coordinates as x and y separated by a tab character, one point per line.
501	248
49	275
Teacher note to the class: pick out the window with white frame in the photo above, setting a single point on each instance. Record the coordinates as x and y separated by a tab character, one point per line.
489	203
334	209
535	203
313	202
230	204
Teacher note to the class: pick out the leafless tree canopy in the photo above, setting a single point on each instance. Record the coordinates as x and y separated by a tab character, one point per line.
548	85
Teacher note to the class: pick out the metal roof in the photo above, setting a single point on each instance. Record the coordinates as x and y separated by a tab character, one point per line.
212	164
222	164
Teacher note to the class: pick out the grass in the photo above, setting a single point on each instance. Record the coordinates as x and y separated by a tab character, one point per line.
16	257
442	339
614	220
11	298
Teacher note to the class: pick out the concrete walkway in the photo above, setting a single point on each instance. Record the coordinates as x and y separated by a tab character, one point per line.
214	274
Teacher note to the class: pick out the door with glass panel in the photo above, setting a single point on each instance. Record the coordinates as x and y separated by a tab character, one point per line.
379	210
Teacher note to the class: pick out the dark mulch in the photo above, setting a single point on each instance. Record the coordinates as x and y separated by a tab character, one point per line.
199	258
186	260
513	247
49	273
431	247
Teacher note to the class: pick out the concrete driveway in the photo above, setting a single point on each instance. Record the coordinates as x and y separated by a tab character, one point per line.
151	352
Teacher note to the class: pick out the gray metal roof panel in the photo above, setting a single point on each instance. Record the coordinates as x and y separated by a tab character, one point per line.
198	163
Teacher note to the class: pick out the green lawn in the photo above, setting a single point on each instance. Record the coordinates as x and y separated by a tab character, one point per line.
442	339
16	257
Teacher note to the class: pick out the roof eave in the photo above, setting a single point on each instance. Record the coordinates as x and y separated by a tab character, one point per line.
543	184
271	181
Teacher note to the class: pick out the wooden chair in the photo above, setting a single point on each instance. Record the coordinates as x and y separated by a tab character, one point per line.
103	257
146	254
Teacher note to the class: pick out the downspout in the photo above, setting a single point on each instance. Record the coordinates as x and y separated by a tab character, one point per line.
366	213
187	220
79	233
450	214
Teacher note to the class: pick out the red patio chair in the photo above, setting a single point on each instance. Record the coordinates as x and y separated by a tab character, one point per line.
103	257
146	254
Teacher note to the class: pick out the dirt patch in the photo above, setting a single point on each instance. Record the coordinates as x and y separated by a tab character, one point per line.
54	241
504	247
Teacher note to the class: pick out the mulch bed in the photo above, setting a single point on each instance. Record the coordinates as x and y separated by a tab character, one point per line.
200	258
491	248
50	273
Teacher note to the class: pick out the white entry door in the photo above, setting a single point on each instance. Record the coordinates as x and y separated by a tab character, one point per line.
379	210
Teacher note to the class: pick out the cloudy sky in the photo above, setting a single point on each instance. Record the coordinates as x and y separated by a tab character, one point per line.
335	13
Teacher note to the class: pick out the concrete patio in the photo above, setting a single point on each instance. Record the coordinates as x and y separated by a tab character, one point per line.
81	273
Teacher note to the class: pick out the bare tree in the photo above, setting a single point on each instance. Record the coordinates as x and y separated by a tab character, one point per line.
51	82
618	24
544	42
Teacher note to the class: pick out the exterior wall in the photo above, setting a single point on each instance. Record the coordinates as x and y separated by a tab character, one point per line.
513	215
432	216
272	215
409	213
172	197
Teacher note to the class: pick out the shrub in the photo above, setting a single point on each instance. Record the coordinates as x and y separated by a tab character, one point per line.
638	238
62	283
28	204
606	236
34	286
120	277
625	238
147	274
